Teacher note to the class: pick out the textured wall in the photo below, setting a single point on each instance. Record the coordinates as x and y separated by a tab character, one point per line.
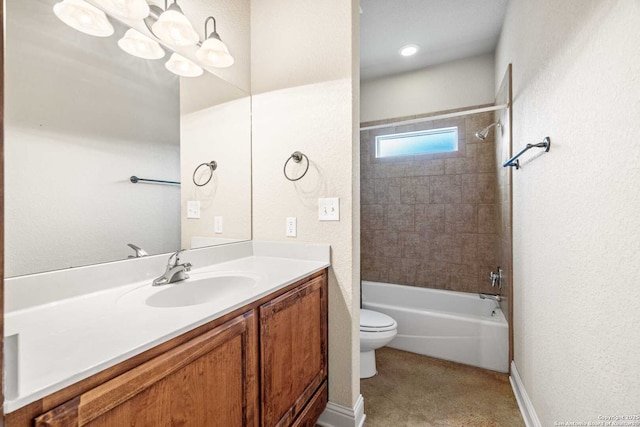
431	220
305	98
576	74
456	84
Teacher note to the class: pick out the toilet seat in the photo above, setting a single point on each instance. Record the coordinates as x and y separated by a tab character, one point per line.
373	321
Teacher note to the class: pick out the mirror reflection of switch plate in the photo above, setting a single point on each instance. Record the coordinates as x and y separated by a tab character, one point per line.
329	209
292	226
193	209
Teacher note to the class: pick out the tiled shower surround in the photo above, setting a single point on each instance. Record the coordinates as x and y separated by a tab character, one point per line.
431	220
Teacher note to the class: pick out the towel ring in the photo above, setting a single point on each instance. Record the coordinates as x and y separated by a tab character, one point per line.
297	158
213	165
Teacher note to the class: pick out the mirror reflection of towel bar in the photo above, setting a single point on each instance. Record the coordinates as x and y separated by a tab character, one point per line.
134	179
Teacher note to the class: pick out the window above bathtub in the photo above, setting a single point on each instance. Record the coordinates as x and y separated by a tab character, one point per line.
432	141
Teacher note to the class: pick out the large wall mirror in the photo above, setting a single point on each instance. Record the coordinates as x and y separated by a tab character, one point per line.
82	116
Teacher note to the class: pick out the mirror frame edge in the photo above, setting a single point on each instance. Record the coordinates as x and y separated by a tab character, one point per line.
2	210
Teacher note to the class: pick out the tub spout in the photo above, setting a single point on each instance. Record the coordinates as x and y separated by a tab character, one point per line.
496	298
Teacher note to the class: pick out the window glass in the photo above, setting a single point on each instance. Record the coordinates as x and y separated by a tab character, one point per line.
430	141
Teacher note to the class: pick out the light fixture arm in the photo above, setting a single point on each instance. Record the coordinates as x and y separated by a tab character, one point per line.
167	1
214	34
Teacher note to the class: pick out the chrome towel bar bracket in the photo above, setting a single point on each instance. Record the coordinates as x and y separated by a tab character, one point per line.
546	144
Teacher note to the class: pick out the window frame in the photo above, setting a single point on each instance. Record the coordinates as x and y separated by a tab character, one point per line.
442	130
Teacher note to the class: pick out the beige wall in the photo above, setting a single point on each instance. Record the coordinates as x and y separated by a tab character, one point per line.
455	84
431	220
304	86
576	75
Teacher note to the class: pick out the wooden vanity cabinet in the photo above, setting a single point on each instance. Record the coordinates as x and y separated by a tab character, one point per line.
293	349
208	381
264	364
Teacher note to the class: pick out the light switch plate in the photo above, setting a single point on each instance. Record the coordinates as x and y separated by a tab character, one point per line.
193	209
329	209
217	224
292	226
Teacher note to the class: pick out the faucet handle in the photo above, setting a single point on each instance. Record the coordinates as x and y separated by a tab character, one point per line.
139	251
496	278
176	254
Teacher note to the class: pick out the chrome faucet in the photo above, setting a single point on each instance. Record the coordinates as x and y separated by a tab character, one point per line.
496	298
139	251
175	271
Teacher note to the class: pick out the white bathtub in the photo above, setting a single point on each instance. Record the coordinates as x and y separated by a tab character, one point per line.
449	325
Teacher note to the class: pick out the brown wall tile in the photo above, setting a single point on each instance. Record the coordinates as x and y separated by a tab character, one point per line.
372	217
400	217
432	220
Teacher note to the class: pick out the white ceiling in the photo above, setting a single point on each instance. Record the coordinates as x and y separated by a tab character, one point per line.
445	30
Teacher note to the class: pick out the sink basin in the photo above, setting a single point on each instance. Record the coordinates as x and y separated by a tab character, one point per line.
200	288
200	291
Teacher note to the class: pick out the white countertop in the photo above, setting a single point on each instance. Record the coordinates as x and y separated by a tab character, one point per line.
65	341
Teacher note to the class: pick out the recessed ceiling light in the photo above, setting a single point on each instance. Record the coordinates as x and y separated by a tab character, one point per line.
409	50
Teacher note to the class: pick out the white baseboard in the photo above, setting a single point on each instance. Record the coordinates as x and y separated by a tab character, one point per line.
342	416
526	407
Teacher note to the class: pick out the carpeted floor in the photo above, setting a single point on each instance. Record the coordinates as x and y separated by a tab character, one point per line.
414	390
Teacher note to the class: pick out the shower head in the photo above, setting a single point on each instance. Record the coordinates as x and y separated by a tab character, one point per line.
482	134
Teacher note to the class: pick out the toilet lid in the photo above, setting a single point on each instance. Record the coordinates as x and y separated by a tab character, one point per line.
373	321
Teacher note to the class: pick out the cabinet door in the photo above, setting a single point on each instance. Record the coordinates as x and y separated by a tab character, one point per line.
208	381
293	346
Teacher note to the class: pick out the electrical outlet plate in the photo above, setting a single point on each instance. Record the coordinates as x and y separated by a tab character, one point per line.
217	224
292	226
193	209
329	209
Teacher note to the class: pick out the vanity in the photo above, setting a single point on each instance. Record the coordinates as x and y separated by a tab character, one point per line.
242	342
105	153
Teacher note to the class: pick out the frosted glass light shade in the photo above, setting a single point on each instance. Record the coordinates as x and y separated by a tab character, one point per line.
137	44
181	66
83	17
174	28
131	9
214	52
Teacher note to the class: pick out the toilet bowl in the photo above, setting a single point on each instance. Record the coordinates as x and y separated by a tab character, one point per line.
376	330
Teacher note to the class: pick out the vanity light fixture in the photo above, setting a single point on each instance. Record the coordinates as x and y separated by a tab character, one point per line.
173	27
137	44
82	16
130	9
213	51
181	66
409	50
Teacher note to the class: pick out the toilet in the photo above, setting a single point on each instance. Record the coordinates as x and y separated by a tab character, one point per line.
376	330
